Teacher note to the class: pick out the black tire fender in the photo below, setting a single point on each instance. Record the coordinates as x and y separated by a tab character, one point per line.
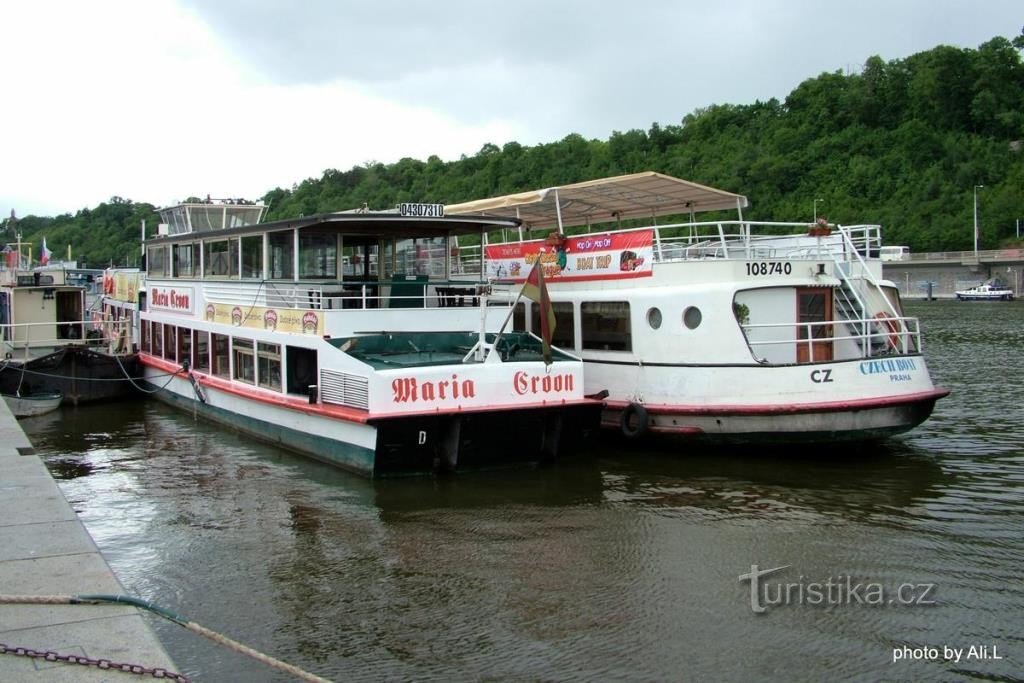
634	421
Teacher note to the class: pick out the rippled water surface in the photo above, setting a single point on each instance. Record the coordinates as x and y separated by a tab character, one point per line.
619	565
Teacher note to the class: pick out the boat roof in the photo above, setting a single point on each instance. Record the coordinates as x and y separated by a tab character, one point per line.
361	222
637	195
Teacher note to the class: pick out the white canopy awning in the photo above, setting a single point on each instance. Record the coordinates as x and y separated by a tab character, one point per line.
638	195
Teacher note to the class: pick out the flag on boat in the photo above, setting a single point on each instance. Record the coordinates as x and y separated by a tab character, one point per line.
44	254
535	289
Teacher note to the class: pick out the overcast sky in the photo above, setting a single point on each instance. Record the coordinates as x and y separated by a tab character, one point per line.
158	100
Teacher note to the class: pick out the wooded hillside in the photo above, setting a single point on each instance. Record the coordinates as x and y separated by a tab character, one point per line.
902	143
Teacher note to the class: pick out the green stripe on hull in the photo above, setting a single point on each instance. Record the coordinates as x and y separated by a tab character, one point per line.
344	455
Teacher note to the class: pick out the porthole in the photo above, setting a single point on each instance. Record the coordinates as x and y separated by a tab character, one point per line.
654	318
692	317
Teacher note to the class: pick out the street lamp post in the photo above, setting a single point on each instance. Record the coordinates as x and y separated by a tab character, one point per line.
976	188
816	210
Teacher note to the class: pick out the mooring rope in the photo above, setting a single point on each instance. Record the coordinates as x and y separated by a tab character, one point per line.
139	387
124	371
170	616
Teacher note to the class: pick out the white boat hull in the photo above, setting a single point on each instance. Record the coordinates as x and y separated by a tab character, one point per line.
850	400
389	444
988	296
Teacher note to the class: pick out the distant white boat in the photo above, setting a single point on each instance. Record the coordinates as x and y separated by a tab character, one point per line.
33	404
992	290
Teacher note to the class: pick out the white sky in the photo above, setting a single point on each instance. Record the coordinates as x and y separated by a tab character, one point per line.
158	100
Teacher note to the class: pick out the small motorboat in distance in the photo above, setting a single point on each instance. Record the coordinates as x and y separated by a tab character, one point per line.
993	290
30	405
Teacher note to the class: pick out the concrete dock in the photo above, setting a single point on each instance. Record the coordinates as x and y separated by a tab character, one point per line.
45	550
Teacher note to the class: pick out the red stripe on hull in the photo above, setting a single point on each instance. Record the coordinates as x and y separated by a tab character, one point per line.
789	409
254	394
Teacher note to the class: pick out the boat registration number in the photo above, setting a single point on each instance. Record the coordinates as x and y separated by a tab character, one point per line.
421	210
769	268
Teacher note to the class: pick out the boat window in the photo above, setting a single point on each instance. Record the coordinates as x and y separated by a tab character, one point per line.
282	262
654	318
170	345
269	370
218	260
233	251
184	260
144	332
519	317
156	260
422	256
605	325
565	323
359	260
201	350
220	355
318	256
158	339
184	345
692	317
252	257
245	361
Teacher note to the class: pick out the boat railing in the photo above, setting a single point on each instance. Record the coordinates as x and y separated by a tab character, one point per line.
746	240
749	240
824	341
114	336
411	293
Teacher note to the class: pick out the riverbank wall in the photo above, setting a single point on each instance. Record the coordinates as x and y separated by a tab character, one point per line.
45	550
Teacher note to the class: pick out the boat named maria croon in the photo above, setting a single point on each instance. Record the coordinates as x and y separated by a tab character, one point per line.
718	331
345	337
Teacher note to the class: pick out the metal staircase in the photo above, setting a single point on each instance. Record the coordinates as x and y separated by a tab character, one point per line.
868	333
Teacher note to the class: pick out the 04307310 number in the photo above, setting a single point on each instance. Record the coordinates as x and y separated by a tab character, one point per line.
769	268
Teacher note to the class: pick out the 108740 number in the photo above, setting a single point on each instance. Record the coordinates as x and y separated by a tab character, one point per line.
769	268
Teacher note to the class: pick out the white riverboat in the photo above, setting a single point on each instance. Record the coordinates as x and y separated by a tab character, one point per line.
49	347
722	331
343	336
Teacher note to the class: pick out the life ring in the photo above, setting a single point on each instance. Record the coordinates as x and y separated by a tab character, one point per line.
634	421
893	327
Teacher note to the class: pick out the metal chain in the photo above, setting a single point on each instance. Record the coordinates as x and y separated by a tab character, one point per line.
156	672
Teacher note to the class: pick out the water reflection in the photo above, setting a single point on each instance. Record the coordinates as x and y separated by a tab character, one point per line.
854	483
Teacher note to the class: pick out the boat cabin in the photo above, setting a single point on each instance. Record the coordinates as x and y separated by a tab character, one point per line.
40	311
404	258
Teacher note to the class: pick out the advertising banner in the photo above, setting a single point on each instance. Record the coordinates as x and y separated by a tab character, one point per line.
607	256
297	320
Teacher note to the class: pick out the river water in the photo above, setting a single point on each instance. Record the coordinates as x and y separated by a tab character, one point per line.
616	565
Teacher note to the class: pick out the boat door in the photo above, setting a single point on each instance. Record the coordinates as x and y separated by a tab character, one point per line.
5	315
69	314
814	305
